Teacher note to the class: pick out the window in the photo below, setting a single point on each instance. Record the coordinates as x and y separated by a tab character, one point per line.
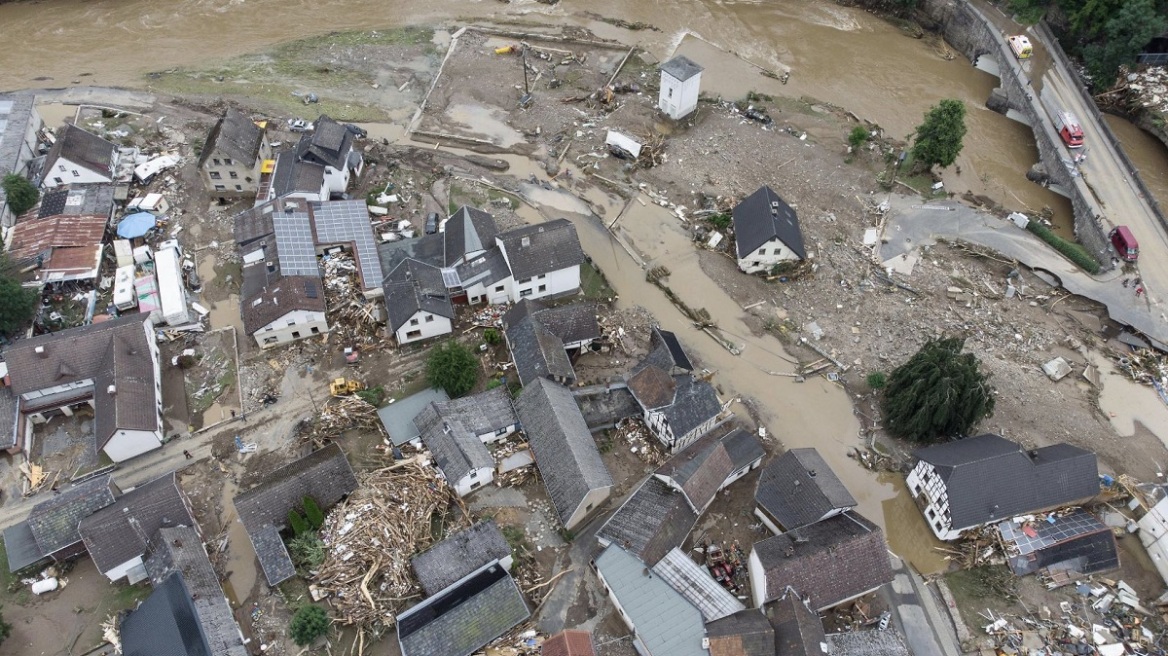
291	322
525	281
220	188
542	288
475	484
429	318
754	263
501	431
589	507
541	276
498	289
413	322
525	292
215	175
215	161
315	330
233	175
227	161
76	174
269	340
296	335
238	188
932	514
670	92
762	251
58	180
270	328
474	473
61	168
413	334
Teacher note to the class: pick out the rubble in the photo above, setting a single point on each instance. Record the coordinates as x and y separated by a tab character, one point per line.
353	319
339	414
366	576
634	433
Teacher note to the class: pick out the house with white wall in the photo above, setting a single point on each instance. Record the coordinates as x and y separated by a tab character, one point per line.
233	155
330	145
544	259
543	340
710	465
111	367
766	232
677	407
79	157
117	537
456	432
681	81
417	302
981	480
19	124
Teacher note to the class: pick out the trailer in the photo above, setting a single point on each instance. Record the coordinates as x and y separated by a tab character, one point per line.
156	204
171	291
152	167
125	298
123	252
147	292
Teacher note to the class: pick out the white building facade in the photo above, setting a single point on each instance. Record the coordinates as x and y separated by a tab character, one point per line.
681	81
292	326
766	257
924	484
423	325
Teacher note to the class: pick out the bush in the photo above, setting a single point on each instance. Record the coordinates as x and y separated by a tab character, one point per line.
720	221
858	136
452	367
308	624
307	550
5	629
312	513
1072	251
492	336
373	396
21	193
494	382
298	523
877	380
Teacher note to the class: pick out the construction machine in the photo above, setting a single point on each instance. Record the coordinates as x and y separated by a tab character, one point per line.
345	386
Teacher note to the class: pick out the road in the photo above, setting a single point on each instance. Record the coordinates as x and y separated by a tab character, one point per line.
1110	182
919	614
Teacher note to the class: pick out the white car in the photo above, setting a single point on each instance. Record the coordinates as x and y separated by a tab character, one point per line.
299	125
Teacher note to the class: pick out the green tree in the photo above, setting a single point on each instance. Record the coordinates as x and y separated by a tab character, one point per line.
492	336
18	304
307	550
452	367
858	136
312	513
1124	35
21	194
308	624
5	628
298	523
937	393
937	141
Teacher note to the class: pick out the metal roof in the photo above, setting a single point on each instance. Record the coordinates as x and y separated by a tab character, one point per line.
694	583
398	417
347	222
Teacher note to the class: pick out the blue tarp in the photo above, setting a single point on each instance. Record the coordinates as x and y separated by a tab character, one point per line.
136	225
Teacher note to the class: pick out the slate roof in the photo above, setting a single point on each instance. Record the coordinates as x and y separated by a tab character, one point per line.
682	68
743	447
279	296
17	111
114	352
798	488
694	402
122	531
702	468
829	561
415	287
235	136
761	217
486	412
77	200
665	353
180	550
486	269
745	633
83	149
325	475
552	246
426	249
457	450
329	144
570	642
468	230
868	643
664	622
538	353
989	477
693	582
21	547
574	322
294	176
653	388
565	452
8	418
166	624
464	617
460	554
798	629
653	520
398	418
54	521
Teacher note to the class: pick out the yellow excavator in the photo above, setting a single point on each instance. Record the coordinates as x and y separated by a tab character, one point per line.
345	386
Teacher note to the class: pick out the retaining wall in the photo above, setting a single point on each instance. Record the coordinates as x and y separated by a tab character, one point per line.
967	29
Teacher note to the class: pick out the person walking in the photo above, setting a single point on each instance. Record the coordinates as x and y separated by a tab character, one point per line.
187	454
1139	291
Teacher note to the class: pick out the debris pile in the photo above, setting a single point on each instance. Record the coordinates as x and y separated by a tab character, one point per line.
490	316
633	432
1147	89
342	413
352	318
520	641
366	575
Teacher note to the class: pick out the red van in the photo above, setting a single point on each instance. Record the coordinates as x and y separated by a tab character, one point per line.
1069	129
1125	243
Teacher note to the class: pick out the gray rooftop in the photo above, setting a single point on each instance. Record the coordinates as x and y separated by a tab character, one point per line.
398	417
482	413
16	112
180	550
652	521
457	450
798	628
694	402
799	488
665	353
989	478
166	624
763	216
694	583
664	621
745	633
8	418
293	176
867	643
565	452
77	200
468	230
537	352
414	286
681	67
703	467
324	475
460	554
485	269
542	248
54	521
236	136
21	547
347	222
465	617
329	144
121	531
83	149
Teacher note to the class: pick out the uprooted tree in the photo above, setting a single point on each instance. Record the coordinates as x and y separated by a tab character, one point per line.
308	624
452	367
938	140
938	393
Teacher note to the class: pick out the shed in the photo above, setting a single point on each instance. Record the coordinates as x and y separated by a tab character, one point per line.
1076	542
681	81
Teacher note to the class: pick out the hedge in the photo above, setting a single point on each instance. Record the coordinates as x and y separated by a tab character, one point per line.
1072	251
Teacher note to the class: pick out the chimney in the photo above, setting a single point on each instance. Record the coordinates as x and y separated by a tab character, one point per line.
811	473
112	389
525	242
40	350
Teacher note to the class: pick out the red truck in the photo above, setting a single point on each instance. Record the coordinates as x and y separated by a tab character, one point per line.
1069	129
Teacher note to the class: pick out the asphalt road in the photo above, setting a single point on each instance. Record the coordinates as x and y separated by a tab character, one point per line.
1110	182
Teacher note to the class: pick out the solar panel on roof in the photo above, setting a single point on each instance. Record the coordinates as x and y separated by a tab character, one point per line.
310	288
